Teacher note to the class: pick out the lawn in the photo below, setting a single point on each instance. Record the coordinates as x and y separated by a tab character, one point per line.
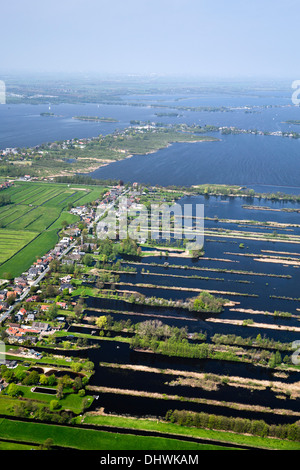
90	439
14	446
12	241
164	427
23	259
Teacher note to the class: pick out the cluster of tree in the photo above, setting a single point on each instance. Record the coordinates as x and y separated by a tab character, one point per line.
110	250
276	359
31	409
237	425
22	377
117	266
129	247
88	260
155	329
171	341
172	346
260	341
206	302
15	170
82	179
167	243
19	376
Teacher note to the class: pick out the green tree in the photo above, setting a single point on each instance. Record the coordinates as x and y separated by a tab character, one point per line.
47	444
32	379
101	322
77	384
13	390
54	405
43	379
88	260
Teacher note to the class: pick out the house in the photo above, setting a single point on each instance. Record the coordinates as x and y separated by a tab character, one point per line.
62	304
89	247
66	279
32	273
20	315
11	293
74	256
30	317
2	295
64	241
44	307
15	331
33	298
39	326
20	280
60	319
68	286
74	232
11	364
68	262
18	290
32	339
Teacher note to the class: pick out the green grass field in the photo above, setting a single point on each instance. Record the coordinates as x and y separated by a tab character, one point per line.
12	241
165	427
90	439
29	225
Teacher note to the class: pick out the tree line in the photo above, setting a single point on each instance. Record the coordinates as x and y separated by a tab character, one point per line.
238	425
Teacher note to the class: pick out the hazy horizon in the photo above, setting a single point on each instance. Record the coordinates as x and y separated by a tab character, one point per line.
193	38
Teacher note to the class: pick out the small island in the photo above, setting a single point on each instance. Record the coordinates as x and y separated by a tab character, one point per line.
168	114
293	121
95	119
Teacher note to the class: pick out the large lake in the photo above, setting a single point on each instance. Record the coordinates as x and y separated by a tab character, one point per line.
236	159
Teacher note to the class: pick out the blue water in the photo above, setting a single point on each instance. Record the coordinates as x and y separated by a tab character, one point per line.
259	161
236	159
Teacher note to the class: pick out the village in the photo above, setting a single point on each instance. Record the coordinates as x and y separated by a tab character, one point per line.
22	299
31	308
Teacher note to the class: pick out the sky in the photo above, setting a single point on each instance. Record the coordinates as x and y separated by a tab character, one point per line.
208	38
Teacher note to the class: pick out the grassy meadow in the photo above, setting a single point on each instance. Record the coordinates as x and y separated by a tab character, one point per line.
29	226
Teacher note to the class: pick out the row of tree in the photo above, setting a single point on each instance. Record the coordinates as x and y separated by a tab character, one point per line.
237	425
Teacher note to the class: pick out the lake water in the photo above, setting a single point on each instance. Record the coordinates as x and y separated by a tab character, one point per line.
235	159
